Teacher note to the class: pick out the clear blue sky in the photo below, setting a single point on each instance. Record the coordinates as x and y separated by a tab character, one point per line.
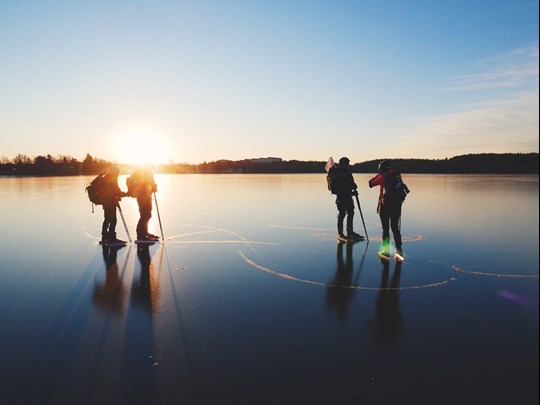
193	81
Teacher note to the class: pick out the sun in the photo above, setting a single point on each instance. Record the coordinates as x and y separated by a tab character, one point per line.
141	147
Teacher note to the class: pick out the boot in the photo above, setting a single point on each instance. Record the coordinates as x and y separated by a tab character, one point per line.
384	250
341	235
354	236
115	241
399	254
105	237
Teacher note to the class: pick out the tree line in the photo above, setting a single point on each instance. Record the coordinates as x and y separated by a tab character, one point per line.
487	163
61	165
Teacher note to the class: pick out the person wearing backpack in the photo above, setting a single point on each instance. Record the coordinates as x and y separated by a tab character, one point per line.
341	183
141	185
391	196
111	195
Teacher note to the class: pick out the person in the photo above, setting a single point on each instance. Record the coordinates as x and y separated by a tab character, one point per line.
111	197
389	206
345	188
141	185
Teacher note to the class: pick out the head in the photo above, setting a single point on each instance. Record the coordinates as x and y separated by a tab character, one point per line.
344	161
384	166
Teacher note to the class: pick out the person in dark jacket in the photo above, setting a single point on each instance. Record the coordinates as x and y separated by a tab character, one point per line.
141	185
389	206
111	197
345	188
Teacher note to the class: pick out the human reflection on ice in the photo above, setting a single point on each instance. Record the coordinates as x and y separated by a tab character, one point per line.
386	327
110	295
139	346
145	291
338	296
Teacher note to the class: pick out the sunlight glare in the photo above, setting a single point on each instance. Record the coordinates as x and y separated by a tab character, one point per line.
141	148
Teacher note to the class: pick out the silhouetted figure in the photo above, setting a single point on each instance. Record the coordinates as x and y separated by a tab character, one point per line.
341	183
387	324
141	185
391	196
146	287
111	197
110	295
140	363
338	296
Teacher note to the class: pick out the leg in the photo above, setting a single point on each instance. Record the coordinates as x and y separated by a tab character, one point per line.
145	211
394	223
342	212
108	230
112	223
105	226
350	217
385	223
346	208
140	226
340	218
147	216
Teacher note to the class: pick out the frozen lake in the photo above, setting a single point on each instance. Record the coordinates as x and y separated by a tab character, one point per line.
250	299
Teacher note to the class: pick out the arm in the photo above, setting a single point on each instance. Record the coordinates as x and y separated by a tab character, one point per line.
119	193
376	181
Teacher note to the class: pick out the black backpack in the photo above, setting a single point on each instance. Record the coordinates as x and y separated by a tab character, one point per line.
332	179
96	190
395	191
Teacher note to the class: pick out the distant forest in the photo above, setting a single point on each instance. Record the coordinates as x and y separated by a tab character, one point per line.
487	163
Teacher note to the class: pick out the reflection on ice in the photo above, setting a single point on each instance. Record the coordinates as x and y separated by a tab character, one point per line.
387	323
231	307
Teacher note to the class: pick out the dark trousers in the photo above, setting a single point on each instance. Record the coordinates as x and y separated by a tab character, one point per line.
145	211
108	230
345	206
390	215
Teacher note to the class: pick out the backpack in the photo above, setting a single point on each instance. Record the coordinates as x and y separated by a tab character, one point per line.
133	184
332	180
96	190
140	183
394	188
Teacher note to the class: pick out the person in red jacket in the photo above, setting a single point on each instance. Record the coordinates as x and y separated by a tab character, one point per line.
391	197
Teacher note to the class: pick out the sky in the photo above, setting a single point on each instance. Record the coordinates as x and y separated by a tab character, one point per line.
189	81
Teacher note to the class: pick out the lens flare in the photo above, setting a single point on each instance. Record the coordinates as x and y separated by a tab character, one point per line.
518	299
140	147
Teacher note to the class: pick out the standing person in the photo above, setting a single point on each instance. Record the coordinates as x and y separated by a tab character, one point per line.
111	197
141	185
341	183
391	196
